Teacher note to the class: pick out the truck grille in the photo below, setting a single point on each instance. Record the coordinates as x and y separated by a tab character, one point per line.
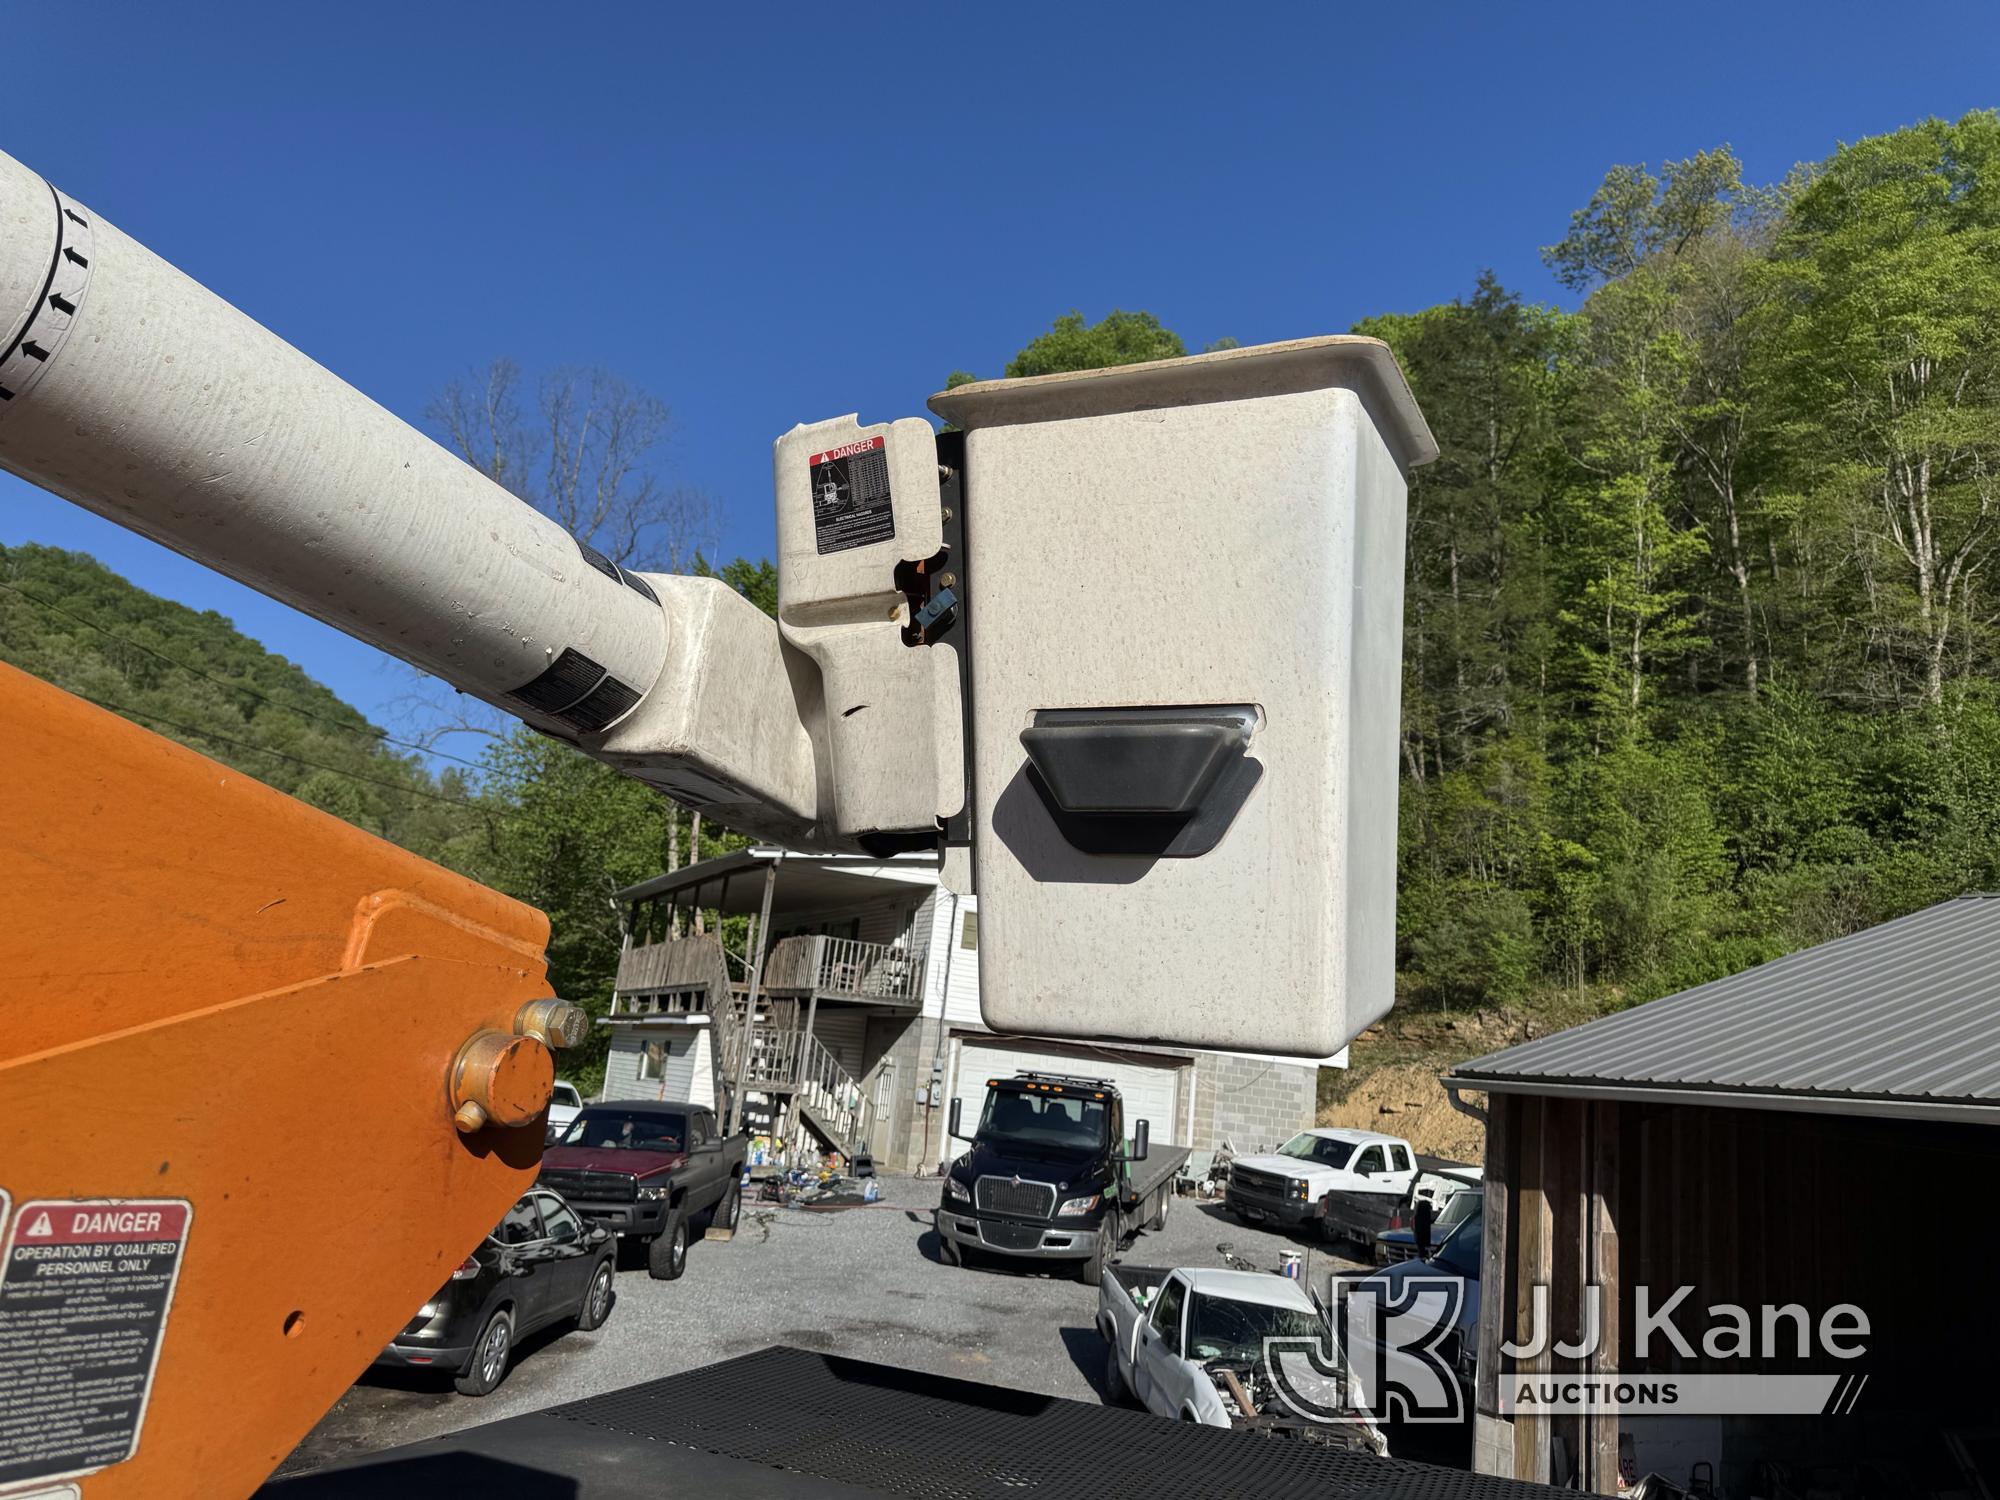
1004	1195
592	1187
1011	1236
1263	1184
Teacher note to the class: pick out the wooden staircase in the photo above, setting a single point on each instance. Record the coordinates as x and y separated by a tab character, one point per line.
788	1065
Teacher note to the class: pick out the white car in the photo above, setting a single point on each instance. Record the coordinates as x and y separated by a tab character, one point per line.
1286	1187
565	1104
1189	1344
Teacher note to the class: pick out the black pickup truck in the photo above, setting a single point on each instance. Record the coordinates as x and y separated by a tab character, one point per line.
643	1170
1052	1175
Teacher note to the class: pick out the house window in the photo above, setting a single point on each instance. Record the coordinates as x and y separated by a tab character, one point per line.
653	1062
968	930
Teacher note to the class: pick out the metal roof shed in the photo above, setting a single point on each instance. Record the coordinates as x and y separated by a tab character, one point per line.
1900	1020
1790	1135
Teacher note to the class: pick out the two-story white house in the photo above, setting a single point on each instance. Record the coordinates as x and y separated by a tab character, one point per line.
868	1019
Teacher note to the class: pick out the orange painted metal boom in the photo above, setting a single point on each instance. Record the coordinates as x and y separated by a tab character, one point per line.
218	995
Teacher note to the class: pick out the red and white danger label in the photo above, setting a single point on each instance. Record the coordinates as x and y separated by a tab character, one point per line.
85	1288
866	445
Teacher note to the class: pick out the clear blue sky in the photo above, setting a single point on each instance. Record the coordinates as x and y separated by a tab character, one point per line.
767	215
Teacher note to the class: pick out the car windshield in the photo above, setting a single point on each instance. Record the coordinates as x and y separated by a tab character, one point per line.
1317	1148
1459	1254
626	1129
1221	1329
1457	1209
1044	1122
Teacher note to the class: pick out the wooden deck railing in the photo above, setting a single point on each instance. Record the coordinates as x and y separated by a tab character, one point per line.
845	969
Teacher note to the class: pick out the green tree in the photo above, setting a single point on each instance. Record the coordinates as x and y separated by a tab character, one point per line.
1882	334
1121	338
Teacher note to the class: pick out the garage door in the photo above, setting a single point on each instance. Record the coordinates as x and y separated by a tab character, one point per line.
1149	1089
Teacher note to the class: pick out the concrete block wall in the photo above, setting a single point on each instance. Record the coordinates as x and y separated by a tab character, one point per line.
1253	1104
907	1043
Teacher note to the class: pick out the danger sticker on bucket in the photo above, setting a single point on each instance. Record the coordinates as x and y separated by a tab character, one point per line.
85	1289
850	496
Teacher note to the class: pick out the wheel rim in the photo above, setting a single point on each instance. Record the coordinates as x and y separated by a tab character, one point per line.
680	1249
493	1358
600	1294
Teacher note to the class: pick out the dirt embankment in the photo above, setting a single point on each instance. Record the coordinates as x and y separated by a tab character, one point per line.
1404	1099
1391	1082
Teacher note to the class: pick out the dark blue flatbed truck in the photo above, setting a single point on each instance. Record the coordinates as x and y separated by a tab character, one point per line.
1054	1175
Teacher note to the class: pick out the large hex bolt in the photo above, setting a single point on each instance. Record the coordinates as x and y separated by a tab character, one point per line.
498	1079
555	1023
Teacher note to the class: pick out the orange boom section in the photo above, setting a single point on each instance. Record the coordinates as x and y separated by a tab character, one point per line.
265	1080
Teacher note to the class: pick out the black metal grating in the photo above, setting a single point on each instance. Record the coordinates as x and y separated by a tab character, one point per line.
563	682
906	1432
608	702
1270	1184
1002	1235
1006	1195
638	585
591	1187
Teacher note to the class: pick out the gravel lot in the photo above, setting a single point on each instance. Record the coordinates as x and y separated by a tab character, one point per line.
864	1282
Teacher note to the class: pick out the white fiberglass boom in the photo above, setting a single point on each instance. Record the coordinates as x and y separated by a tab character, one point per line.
1128	640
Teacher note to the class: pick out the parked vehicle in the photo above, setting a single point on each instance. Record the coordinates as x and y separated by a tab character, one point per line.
1189	1344
1453	1198
1458	1255
542	1264
646	1170
565	1104
1289	1187
1052	1175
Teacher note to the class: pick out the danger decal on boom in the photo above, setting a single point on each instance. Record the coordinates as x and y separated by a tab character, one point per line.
850	496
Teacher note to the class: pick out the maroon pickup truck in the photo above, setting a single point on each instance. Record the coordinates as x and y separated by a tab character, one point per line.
644	1170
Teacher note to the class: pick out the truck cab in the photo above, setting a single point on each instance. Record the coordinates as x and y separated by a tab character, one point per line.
643	1170
1191	1343
1052	1174
1286	1186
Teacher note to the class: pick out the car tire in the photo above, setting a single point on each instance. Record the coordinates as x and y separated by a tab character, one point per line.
667	1256
490	1357
1090	1270
729	1209
1159	1220
596	1298
1116	1392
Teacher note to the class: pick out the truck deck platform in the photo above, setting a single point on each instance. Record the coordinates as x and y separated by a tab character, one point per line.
788	1422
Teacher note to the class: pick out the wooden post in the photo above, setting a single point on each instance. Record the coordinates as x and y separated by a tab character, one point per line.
750	1003
1565	1142
1534	1237
1493	1263
1606	1139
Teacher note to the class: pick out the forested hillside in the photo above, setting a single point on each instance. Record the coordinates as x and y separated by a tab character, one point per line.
192	676
1700	625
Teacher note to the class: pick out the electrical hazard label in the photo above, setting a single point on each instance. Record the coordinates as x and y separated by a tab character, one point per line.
850	492
84	1293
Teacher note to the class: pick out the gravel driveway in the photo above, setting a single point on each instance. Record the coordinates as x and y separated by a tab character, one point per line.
864	1282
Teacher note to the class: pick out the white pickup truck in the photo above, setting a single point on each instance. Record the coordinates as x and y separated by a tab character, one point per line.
1188	1343
1289	1186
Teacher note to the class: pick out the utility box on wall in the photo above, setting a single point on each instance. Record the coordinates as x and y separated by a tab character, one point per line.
1185	627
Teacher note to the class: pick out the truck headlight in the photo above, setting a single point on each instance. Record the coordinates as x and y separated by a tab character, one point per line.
955	1189
1079	1205
1298	1189
654	1194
